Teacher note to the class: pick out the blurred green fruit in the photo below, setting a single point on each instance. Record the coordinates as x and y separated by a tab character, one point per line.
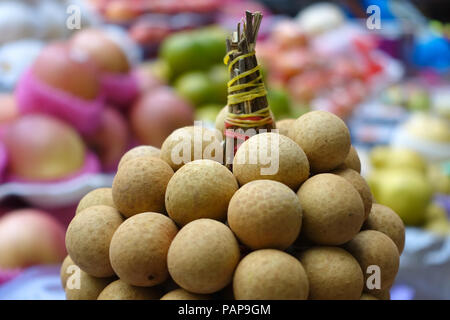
419	100
279	103
196	88
435	212
405	191
212	42
440	227
181	53
429	127
219	77
193	50
439	179
160	69
387	157
208	112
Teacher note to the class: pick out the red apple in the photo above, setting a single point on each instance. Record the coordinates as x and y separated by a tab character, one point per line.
8	108
110	141
69	70
108	56
30	237
157	113
43	148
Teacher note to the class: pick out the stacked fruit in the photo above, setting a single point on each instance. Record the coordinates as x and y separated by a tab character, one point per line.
299	226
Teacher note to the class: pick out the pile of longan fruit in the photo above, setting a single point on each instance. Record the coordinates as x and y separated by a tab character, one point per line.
171	231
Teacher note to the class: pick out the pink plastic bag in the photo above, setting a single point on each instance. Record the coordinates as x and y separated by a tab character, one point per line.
35	96
3	161
120	89
8	274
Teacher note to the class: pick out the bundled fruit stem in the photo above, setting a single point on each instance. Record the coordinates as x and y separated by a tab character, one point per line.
252	109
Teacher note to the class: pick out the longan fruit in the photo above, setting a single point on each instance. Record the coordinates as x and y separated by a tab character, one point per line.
120	290
138	250
324	138
88	238
203	256
140	186
270	274
287	163
100	196
385	220
265	214
333	211
374	248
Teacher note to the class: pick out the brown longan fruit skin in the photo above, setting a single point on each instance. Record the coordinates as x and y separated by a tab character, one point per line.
372	247
208	139
220	120
200	189
120	290
379	294
203	256
324	138
366	296
352	161
333	211
333	274
100	196
90	287
284	126
88	238
63	271
138	152
293	166
385	220
360	185
140	185
270	274
265	214
138	250
181	294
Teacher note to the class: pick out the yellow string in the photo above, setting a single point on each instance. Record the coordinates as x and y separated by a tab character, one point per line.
257	90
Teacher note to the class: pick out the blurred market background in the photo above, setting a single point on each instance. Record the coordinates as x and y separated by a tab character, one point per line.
82	82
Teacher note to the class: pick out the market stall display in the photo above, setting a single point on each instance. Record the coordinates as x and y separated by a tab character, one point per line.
97	121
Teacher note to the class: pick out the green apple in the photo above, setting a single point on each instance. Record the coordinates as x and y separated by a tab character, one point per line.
405	191
279	102
389	157
193	50
211	40
218	75
196	87
181	53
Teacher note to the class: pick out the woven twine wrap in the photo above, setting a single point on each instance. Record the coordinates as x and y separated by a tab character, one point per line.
247	97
